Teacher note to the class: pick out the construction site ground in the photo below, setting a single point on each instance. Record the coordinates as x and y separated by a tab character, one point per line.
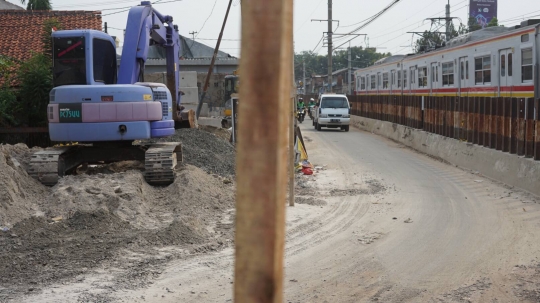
377	222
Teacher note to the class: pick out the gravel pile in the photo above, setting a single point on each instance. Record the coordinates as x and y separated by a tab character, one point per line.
205	150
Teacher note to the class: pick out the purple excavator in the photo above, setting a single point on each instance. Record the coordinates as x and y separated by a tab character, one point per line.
105	110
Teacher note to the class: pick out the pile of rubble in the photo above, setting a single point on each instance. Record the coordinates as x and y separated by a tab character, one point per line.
88	220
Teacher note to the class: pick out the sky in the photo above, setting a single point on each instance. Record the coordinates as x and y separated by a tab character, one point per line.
388	33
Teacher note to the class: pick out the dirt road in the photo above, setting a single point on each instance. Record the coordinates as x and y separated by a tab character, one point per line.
379	223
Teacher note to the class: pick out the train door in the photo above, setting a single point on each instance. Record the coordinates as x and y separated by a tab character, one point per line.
413	79
506	66
379	83
463	75
434	77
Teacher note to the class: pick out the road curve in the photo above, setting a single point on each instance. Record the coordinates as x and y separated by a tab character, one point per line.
394	226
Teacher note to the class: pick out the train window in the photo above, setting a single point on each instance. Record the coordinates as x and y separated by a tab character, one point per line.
526	65
412	76
433	73
462	70
467	70
482	70
448	73
399	79
373	82
510	64
525	38
436	74
422	77
503	65
385	81
363	83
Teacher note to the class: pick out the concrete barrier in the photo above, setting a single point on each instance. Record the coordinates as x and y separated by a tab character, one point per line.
509	169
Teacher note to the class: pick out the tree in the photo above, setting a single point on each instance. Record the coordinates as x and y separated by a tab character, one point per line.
38	4
46	39
8	99
35	78
493	22
473	25
429	41
318	64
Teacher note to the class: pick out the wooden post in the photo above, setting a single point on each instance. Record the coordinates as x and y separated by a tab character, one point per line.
265	66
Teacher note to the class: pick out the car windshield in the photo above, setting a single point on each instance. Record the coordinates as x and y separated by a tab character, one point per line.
334	103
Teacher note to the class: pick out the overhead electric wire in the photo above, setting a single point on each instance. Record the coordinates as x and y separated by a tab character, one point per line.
373	18
211	12
309	17
393	38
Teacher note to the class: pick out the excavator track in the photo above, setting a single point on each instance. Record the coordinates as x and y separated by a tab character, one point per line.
160	161
44	165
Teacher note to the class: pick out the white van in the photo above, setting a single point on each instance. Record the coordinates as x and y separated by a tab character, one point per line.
332	111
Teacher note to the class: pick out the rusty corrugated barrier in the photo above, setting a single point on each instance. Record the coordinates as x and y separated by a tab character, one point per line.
31	136
529	128
537	131
507	124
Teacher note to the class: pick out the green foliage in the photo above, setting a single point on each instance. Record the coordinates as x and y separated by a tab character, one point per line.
473	25
429	41
38	4
493	22
46	39
318	65
35	80
8	98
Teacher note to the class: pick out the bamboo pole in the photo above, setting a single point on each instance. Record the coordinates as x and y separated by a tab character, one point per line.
266	69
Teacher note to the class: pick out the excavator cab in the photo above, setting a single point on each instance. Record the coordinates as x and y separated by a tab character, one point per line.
83	57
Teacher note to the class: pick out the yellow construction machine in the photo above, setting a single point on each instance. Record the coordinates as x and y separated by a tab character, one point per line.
232	83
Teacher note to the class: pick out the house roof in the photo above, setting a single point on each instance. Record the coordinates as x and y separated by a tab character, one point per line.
6	5
20	30
190	49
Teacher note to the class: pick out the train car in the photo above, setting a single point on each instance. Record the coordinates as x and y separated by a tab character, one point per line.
493	62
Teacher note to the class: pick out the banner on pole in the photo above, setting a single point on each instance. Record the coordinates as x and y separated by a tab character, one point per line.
483	11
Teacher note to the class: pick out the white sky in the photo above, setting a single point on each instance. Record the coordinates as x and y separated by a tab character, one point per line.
388	32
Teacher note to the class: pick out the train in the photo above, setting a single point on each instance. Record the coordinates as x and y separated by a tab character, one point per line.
492	62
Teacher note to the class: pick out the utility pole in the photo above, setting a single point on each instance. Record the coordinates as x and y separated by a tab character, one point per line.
350	72
304	77
193	35
330	46
448	20
211	68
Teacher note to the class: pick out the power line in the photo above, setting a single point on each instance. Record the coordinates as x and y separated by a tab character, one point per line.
129	7
309	16
373	18
211	12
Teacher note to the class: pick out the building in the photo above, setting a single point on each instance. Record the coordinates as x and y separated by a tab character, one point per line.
4	5
319	83
195	57
21	31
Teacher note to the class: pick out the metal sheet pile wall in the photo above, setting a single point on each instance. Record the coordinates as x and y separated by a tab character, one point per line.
507	124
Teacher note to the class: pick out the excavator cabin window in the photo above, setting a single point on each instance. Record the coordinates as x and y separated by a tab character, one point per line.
69	64
104	61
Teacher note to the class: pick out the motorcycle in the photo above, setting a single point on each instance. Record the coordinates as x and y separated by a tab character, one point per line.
310	111
301	114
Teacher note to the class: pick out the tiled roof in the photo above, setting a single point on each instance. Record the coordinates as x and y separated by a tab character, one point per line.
20	30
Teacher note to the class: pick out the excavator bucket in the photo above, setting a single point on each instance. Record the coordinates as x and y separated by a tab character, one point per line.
187	120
